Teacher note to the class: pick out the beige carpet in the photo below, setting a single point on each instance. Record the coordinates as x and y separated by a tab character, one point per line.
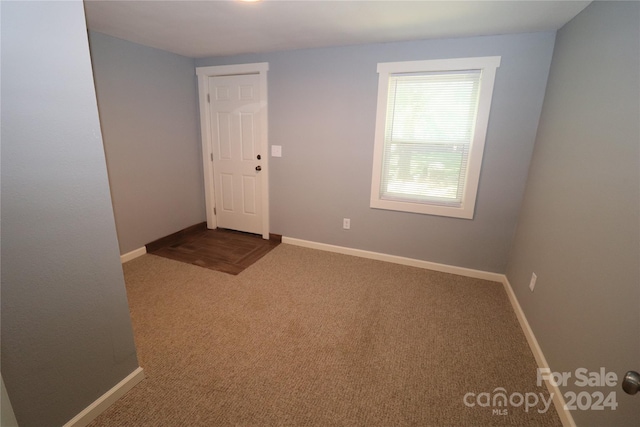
310	338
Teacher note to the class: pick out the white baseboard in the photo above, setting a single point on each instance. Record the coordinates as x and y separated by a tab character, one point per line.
133	254
106	400
558	398
444	268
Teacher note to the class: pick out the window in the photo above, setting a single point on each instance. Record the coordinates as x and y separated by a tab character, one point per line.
430	130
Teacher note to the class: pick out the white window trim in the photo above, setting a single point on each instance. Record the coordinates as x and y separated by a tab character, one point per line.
488	65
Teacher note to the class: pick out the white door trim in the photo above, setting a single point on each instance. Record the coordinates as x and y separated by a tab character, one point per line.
203	74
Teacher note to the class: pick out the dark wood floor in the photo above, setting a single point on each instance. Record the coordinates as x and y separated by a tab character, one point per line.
221	250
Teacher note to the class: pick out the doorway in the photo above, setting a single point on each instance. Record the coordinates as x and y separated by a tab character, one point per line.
233	119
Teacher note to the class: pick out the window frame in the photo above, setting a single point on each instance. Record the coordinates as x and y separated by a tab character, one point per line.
487	66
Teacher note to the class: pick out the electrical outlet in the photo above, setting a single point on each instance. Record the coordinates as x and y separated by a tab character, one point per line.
346	223
532	284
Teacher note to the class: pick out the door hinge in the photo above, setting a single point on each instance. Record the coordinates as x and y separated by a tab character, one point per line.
214	211
208	99
212	157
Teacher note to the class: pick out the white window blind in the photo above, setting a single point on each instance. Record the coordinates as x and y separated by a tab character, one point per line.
430	122
431	126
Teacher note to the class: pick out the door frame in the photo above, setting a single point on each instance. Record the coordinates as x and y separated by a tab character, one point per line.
203	73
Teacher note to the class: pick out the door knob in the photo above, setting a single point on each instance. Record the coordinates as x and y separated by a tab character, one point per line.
631	382
258	168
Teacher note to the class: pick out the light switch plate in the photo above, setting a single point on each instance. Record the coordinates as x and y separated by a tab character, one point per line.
276	151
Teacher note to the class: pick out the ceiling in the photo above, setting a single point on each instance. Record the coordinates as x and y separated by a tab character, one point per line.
200	29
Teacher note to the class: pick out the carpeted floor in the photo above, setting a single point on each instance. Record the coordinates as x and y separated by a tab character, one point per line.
310	338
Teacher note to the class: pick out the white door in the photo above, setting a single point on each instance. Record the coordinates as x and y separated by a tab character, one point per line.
235	122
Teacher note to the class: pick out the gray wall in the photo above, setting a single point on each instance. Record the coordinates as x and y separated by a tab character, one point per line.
322	108
579	229
66	331
149	114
